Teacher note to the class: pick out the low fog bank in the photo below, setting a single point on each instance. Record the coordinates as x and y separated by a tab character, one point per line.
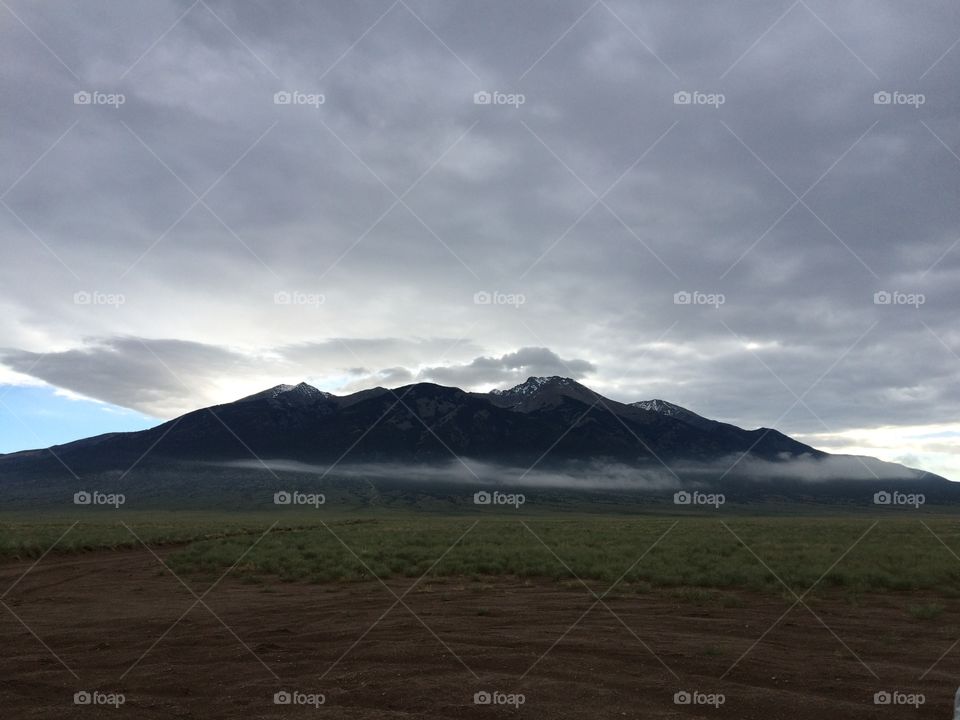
836	467
588	475
602	475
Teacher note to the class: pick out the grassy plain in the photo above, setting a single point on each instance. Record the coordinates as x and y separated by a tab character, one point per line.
718	552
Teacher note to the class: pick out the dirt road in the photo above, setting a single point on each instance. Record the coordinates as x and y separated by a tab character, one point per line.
118	623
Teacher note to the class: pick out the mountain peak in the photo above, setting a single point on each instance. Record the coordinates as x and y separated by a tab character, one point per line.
538	392
661	406
305	387
534	384
300	391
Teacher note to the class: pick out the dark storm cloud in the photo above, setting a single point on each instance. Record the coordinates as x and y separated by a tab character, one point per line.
396	202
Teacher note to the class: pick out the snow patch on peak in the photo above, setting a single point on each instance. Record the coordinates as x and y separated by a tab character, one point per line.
268	394
300	391
534	385
660	406
669	409
307	390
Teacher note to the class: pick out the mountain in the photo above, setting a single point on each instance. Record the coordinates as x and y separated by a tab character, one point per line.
301	394
540	392
552	423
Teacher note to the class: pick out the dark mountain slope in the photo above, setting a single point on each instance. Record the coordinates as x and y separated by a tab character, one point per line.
548	422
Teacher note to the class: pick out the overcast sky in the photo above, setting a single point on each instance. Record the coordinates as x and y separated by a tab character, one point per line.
177	234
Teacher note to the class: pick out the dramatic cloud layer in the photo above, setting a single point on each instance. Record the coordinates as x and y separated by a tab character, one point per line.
745	208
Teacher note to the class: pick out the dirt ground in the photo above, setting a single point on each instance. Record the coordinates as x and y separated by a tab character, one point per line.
109	617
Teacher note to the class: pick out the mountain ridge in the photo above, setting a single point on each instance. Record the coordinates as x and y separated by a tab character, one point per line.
545	419
416	445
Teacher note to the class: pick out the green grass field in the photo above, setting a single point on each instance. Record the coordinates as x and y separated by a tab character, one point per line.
26	536
897	554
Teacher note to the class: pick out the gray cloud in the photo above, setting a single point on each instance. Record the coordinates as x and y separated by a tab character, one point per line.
388	377
302	200
512	367
168	377
159	377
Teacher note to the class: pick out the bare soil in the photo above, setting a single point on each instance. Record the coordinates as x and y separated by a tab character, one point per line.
112	618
